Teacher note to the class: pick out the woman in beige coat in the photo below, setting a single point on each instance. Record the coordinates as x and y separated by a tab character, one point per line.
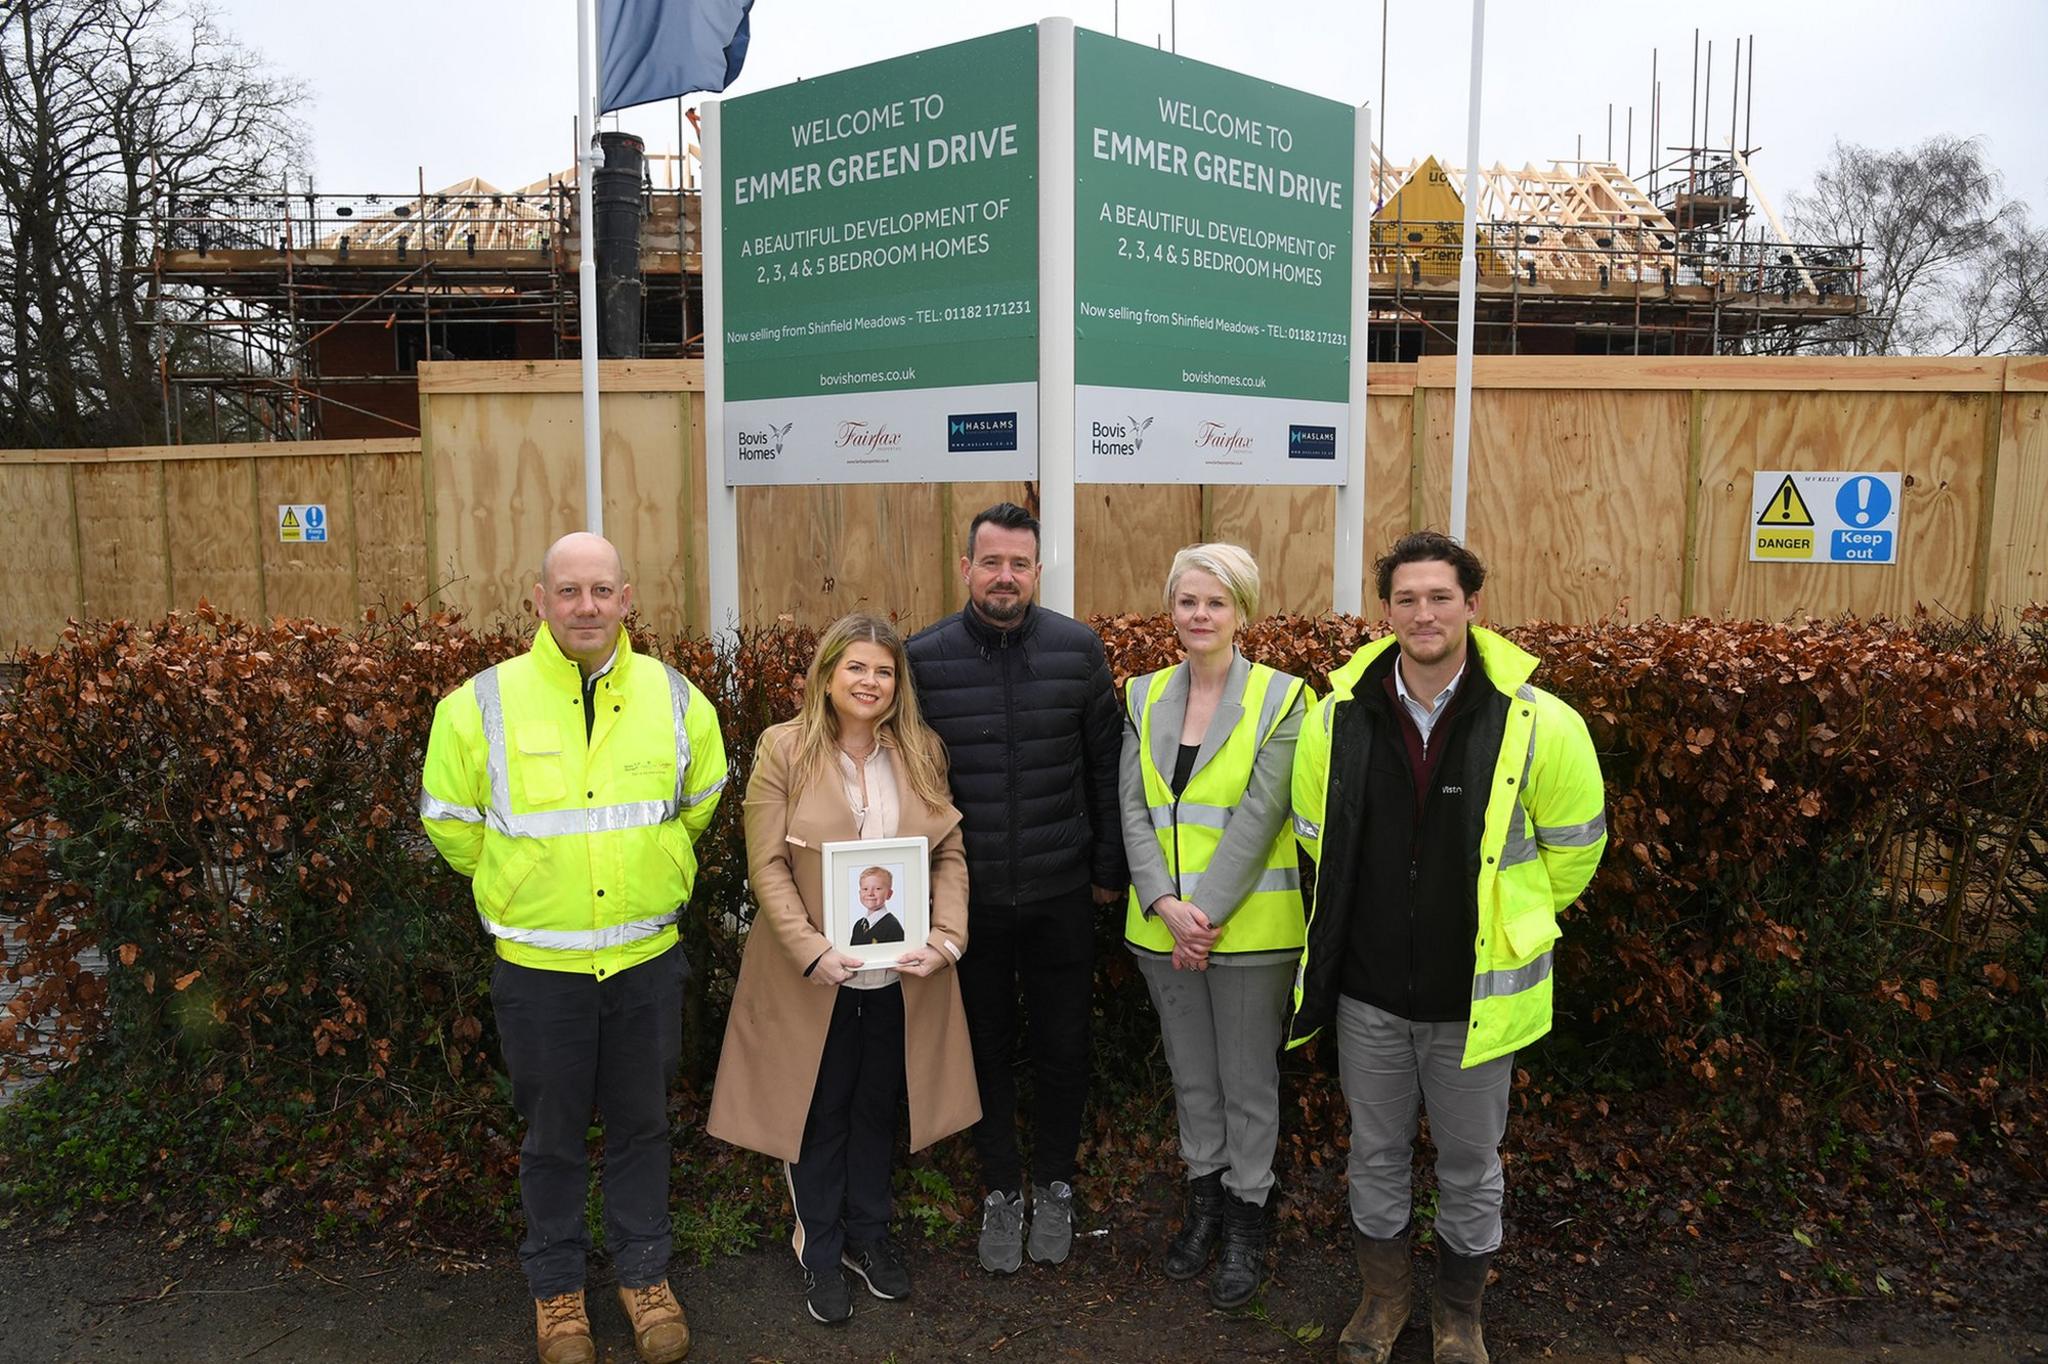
818	1058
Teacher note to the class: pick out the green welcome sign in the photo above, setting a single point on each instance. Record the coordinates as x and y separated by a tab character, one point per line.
883	237
1212	273
879	258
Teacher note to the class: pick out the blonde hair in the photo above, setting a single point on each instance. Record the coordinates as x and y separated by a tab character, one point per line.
920	757
1230	565
883	872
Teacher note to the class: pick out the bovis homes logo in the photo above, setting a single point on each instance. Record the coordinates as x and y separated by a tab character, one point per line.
1125	438
1215	438
976	432
856	435
765	443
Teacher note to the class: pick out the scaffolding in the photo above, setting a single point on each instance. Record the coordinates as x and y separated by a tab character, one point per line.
305	314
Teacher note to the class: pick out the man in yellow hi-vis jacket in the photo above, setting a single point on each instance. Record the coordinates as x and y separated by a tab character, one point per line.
1452	810
570	784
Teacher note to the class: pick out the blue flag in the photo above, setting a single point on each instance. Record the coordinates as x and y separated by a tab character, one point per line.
658	49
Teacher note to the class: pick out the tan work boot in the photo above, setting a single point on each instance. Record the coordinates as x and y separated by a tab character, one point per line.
1454	1316
564	1330
1387	1275
660	1333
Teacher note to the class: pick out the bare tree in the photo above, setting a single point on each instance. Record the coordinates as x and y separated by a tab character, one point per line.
1950	263
111	111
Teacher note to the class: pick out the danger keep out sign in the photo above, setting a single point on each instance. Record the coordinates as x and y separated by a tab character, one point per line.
1824	518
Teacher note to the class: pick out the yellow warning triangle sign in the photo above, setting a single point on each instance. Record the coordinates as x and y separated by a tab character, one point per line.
290	521
1786	507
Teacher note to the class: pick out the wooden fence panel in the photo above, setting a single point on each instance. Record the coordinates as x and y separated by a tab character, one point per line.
307	578
37	554
818	552
121	541
389	515
1936	440
2017	567
1595	481
216	556
1124	538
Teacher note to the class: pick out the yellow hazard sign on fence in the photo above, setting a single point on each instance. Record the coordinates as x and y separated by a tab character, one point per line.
1786	507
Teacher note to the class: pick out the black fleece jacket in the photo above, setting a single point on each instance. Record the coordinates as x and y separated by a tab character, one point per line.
1032	727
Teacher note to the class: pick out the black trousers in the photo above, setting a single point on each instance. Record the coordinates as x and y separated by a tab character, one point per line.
574	1043
839	1186
1046	947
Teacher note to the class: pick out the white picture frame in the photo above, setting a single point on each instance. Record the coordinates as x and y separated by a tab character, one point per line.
895	873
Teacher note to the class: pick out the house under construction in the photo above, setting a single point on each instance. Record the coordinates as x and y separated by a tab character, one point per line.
316	308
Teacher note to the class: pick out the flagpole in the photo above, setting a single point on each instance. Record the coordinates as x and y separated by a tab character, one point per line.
586	268
1468	287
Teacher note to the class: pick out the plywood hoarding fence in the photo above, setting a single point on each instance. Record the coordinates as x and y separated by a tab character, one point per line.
1600	485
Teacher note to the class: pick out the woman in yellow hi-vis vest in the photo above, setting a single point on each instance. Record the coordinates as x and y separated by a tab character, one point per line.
1215	916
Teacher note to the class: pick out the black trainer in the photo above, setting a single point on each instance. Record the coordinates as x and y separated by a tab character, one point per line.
880	1266
829	1297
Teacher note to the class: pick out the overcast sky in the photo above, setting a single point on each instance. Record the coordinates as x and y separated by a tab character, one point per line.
487	87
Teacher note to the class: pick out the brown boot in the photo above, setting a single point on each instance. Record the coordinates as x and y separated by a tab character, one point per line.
659	1332
564	1330
1387	1275
1454	1317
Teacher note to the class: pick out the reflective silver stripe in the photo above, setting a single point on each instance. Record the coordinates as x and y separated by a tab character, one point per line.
1574	835
598	819
492	706
698	798
1273	878
1512	981
1306	828
1521	847
1207	816
1279	691
432	807
587	940
1137	696
679	706
638	814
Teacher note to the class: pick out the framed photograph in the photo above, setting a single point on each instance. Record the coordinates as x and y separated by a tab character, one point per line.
878	900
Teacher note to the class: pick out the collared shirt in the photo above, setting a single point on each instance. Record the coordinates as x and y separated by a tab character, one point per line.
590	694
1426	716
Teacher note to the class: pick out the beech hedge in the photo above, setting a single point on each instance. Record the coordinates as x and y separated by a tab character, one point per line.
1826	885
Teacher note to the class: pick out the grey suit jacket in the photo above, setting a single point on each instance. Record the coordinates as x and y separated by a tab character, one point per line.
1240	857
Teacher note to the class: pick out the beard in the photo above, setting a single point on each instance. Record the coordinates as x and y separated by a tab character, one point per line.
1002	610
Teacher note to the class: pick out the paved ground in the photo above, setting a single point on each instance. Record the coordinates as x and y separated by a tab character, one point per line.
113	1297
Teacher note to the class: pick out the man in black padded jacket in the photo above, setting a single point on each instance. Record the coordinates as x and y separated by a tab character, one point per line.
1024	700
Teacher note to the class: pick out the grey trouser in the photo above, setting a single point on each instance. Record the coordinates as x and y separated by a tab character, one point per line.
1221	1028
572	1043
1385	1064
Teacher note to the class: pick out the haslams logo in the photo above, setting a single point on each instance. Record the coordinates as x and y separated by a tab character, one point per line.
1227	440
861	436
764	444
1125	438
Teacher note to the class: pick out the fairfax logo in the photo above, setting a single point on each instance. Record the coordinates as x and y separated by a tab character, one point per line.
861	436
764	444
1216	436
